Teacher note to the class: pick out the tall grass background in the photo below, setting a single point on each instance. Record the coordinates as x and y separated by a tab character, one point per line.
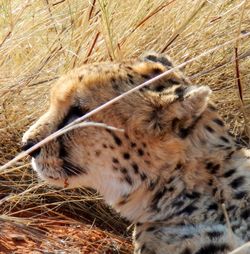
42	39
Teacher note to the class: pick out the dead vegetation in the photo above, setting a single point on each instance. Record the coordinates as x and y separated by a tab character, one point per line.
40	40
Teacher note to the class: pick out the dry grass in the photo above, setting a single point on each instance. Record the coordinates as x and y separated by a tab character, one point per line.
40	40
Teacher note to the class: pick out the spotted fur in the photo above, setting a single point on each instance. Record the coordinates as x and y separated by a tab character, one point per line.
170	171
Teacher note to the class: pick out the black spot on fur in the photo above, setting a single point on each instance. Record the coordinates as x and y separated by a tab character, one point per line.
130	78
237	182
156	71
115	160
124	170
178	203
173	81
180	91
80	78
140	152
122	202
220	146
186	236
209	165
214	234
135	168
181	224
240	195
129	67
152	58
159	88
229	172
214	191
98	153
222	218
126	136
212	168
113	80
183	133
126	156
224	139
188	210
245	214
213	248
213	206
193	195
152	184
143	176
210	129
128	179
157	197
218	121
145	76
210	182
151	229
116	139
131	81
186	251
179	166
160	59
231	207
165	61
175	123
171	179
229	156
143	247
115	86
235	227
133	144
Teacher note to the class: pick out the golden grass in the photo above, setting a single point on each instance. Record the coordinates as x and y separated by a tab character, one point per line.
40	40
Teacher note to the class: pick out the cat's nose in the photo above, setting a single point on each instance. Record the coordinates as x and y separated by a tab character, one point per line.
28	144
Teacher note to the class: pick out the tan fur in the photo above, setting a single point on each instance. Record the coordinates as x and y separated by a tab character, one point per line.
171	170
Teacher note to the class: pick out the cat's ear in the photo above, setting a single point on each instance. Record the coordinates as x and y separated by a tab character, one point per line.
195	99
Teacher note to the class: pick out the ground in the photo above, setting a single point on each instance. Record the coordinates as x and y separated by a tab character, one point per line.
59	236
